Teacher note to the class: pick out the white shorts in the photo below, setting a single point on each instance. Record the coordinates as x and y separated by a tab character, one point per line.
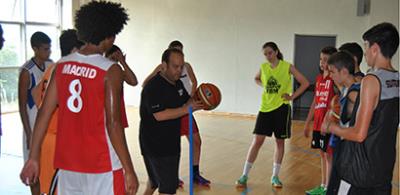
76	183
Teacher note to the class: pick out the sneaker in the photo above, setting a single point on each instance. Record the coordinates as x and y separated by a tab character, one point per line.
319	190
324	190
199	180
276	182
181	183
242	182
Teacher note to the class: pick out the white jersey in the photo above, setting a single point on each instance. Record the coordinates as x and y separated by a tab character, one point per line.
187	83
35	75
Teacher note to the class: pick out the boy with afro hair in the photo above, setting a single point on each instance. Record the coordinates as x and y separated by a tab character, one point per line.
91	151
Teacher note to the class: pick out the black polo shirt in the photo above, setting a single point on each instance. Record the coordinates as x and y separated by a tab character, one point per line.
160	138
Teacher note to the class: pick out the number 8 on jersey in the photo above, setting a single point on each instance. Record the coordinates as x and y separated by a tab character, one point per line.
75	88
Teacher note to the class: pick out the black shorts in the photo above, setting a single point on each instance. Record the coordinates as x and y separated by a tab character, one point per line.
278	121
320	141
163	173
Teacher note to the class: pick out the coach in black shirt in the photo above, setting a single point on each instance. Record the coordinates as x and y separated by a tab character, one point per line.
163	101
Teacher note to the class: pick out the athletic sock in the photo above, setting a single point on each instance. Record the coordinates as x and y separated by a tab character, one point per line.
247	167
275	169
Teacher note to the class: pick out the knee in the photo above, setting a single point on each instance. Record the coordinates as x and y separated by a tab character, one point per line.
323	154
257	143
280	143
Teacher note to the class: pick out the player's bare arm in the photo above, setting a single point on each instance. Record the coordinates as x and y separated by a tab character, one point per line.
369	97
30	172
310	117
173	113
23	86
257	78
152	74
303	83
113	86
192	77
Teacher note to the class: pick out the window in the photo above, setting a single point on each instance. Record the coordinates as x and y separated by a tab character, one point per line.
20	19
10	59
11	10
37	12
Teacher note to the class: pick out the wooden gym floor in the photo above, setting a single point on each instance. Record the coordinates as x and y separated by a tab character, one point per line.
226	139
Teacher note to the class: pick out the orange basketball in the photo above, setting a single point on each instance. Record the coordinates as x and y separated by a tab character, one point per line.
209	95
334	109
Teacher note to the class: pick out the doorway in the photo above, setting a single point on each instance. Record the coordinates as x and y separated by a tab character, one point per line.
306	59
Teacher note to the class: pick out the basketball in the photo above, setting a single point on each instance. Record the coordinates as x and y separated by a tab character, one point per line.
334	109
209	95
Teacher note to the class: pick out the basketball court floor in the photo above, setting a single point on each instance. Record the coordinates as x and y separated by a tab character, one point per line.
226	139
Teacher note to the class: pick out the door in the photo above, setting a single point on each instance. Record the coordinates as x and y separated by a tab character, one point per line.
306	59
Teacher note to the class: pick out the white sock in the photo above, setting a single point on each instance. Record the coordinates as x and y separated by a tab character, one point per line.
323	185
247	167
275	169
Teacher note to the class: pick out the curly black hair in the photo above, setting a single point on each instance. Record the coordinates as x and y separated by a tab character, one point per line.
99	20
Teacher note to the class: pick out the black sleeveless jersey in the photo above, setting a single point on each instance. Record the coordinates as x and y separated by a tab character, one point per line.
371	162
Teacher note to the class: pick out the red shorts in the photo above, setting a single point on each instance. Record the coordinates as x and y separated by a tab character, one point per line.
185	125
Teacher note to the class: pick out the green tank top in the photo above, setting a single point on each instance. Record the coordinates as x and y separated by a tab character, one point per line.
276	82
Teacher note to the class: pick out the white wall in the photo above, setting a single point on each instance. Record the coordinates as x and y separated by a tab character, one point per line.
223	38
386	10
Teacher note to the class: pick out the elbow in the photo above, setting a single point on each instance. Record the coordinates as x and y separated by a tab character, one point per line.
360	134
360	138
306	84
133	83
112	126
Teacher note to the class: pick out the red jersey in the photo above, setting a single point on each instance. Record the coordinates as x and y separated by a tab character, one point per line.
83	144
322	96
